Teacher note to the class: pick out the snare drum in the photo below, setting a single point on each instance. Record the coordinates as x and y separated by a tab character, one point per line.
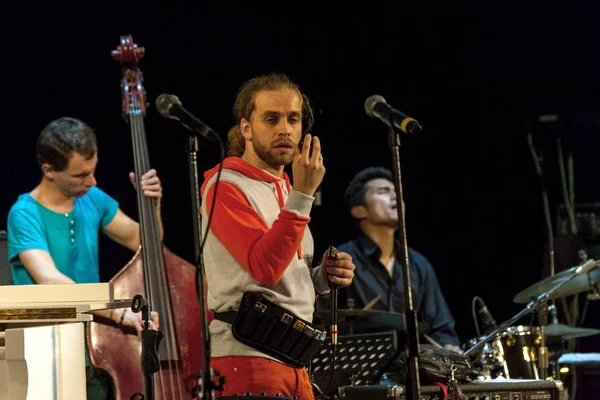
521	345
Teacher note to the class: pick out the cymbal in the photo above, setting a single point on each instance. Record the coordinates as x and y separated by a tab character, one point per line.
578	284
368	319
569	332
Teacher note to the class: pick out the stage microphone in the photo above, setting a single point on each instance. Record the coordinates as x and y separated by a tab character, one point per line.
487	321
169	106
376	107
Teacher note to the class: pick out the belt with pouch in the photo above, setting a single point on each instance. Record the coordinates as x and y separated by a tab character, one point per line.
273	330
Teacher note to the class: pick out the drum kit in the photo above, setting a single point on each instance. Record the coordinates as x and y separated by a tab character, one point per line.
514	352
511	351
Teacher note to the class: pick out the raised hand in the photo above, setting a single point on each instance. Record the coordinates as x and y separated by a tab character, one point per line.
308	170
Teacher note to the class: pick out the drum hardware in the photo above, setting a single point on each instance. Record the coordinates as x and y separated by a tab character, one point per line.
552	286
514	352
543	350
572	281
521	347
490	360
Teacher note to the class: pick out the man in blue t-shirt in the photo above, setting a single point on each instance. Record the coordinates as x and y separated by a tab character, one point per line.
53	230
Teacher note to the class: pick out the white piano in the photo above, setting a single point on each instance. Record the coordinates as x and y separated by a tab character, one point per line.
42	338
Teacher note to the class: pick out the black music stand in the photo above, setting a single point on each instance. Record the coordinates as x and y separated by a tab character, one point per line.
360	360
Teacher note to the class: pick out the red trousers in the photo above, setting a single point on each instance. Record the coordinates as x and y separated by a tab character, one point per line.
260	375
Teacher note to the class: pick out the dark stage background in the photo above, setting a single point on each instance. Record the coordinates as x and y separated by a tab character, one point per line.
472	76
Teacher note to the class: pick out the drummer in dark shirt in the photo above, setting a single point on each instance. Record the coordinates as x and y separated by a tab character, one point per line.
371	199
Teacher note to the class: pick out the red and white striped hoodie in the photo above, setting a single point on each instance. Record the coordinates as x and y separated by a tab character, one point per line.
258	240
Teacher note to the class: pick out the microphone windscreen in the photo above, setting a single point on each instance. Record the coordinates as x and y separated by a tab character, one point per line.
370	104
164	102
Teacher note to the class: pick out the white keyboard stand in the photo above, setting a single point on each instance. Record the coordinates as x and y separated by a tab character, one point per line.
42	349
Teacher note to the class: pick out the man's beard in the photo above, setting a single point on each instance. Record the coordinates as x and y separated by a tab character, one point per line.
271	156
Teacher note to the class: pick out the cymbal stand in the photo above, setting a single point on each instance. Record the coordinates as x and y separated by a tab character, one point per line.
543	350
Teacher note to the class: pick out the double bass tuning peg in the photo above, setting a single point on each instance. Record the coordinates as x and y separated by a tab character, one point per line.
139	51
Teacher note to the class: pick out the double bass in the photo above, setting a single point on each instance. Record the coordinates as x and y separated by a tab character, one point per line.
166	281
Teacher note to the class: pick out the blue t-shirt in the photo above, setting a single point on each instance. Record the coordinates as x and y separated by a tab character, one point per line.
70	238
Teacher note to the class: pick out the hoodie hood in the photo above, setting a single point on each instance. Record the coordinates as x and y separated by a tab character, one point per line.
237	164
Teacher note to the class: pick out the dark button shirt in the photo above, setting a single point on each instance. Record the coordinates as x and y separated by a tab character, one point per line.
371	279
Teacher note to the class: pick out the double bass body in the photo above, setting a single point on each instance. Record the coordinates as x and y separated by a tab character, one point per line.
118	352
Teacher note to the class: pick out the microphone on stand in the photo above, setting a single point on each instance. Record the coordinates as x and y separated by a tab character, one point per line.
376	107
169	106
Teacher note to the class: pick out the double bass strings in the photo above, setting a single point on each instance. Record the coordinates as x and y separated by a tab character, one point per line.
155	278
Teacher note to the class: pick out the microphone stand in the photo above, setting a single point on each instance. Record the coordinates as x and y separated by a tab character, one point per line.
413	387
205	382
543	350
150	341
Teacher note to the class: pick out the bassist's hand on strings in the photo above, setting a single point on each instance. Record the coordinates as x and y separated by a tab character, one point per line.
150	184
152	188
